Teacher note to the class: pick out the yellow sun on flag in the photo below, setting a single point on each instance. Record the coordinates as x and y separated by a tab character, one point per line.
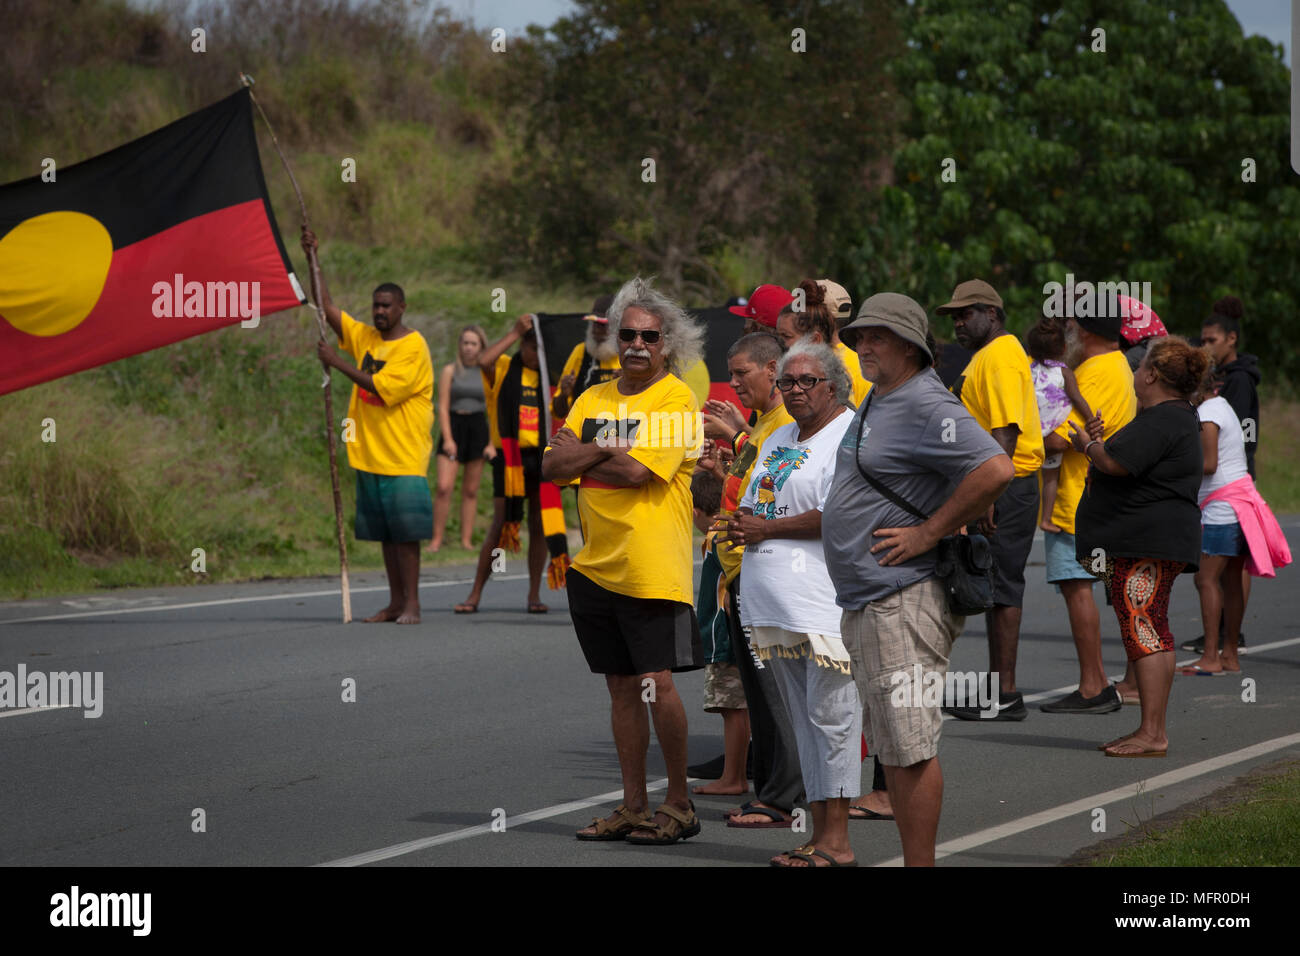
52	271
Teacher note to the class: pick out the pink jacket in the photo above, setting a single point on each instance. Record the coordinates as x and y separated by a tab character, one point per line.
1265	542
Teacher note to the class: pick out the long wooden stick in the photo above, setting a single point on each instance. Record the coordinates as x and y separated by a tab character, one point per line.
314	267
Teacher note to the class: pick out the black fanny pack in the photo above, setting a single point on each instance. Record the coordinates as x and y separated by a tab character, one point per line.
963	562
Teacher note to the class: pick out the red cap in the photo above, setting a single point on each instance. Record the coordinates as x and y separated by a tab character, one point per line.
764	305
1139	321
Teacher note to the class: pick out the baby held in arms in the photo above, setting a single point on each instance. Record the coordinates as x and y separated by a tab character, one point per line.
1057	392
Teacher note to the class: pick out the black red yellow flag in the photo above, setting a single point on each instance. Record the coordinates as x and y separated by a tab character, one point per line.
166	237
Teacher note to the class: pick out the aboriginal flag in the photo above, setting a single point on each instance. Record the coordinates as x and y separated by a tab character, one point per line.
167	237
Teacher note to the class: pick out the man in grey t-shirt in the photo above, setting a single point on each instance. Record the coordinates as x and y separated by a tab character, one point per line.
919	441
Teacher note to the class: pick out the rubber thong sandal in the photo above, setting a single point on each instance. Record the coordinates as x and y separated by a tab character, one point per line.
807	853
868	814
605	830
1196	670
537	607
680	826
465	607
776	819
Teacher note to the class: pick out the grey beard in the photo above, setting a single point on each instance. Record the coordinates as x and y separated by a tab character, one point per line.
1073	347
601	351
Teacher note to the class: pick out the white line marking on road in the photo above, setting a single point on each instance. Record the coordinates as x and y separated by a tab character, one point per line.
1087	804
240	600
414	846
35	710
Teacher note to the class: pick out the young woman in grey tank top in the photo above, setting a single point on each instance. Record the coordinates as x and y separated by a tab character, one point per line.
465	442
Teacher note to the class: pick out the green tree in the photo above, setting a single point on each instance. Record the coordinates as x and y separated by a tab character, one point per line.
748	135
1125	164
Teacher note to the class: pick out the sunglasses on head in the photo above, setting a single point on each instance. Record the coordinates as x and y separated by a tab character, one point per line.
648	336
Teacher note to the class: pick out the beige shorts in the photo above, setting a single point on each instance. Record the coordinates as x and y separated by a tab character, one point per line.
722	688
890	637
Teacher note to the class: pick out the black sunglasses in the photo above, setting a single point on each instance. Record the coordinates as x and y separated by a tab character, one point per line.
648	336
805	382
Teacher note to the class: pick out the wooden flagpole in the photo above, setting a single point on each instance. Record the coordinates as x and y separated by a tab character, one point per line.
314	267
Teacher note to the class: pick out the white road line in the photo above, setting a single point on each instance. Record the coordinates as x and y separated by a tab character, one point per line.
35	710
239	600
1087	804
559	809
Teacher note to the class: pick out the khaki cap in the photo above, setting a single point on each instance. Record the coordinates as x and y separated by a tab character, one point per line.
972	292
838	299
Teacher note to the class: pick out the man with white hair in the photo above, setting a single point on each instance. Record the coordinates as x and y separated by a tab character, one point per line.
630	445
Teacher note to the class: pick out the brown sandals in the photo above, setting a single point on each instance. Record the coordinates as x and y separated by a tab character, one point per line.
605	830
680	826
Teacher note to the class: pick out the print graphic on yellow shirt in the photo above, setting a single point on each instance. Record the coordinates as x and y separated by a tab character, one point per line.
854	365
739	475
1106	382
638	539
530	384
393	436
997	389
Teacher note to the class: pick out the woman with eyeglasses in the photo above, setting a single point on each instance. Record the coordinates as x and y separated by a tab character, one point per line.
789	600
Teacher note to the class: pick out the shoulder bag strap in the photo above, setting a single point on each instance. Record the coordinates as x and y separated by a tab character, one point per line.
857	460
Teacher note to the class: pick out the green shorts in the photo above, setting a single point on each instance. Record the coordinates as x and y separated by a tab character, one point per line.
393	508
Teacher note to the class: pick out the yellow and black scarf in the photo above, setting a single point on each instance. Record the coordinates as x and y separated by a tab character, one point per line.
508	404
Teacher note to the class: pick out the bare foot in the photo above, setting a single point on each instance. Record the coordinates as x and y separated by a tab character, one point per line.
434	547
1137	744
722	787
1117	740
389	613
1229	662
411	615
467	545
1049	527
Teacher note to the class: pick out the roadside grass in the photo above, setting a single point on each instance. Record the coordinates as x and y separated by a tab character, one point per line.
1252	824
1278	459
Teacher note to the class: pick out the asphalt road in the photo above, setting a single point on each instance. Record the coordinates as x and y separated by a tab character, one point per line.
230	700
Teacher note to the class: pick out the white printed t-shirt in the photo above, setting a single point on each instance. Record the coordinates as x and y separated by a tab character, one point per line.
783	581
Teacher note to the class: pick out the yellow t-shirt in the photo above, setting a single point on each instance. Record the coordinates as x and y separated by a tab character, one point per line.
851	362
738	476
530	385
638	539
393	436
998	390
1106	383
605	369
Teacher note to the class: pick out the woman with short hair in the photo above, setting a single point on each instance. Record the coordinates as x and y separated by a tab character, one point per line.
1139	526
789	600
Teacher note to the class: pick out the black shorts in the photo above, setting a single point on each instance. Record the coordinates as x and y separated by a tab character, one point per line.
470	433
1016	515
530	458
629	635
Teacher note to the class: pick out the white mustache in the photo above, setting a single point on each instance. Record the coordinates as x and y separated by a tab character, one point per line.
637	353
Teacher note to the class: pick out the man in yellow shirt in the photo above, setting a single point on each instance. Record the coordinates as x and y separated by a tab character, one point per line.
392	410
631	446
998	391
1106	382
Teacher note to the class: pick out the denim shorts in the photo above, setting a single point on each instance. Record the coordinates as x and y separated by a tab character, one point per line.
1223	539
1062	565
